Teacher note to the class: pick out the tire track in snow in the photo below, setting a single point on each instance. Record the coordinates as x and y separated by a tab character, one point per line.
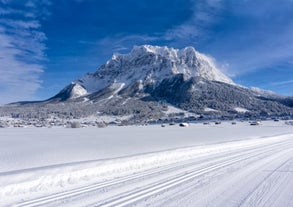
144	192
234	186
259	194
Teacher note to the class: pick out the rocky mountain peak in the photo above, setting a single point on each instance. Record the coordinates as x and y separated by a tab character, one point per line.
143	83
150	65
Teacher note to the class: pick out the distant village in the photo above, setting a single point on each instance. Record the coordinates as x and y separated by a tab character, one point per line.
38	123
179	119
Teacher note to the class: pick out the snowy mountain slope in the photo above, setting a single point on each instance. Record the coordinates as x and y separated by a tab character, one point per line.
150	65
150	78
197	93
71	91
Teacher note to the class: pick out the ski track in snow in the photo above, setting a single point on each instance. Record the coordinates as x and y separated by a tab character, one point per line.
255	172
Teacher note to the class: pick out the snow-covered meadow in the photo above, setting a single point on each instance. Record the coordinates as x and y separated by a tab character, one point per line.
148	165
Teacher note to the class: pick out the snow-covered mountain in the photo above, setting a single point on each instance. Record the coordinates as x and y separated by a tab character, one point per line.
148	80
149	65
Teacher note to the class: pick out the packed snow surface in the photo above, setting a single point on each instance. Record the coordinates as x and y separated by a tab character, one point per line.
202	165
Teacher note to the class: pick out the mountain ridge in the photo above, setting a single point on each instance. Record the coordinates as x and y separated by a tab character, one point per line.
143	83
150	65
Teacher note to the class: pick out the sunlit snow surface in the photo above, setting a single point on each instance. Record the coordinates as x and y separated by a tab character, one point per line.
199	165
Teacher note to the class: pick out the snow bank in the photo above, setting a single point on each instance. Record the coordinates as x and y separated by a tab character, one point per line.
36	182
23	148
38	161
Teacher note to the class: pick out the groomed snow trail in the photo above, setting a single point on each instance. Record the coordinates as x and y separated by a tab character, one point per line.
254	172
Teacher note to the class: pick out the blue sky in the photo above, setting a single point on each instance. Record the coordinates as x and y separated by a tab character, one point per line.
46	44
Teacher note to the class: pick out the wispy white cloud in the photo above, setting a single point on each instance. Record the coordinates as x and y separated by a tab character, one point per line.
243	35
281	83
22	50
121	43
205	13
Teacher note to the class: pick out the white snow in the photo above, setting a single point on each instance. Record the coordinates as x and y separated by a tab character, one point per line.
263	92
77	91
144	64
207	109
116	87
173	109
201	165
240	110
102	118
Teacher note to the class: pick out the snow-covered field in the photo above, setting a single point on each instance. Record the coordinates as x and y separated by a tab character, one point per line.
199	165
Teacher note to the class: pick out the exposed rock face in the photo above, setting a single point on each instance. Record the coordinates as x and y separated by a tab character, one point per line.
149	76
150	65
